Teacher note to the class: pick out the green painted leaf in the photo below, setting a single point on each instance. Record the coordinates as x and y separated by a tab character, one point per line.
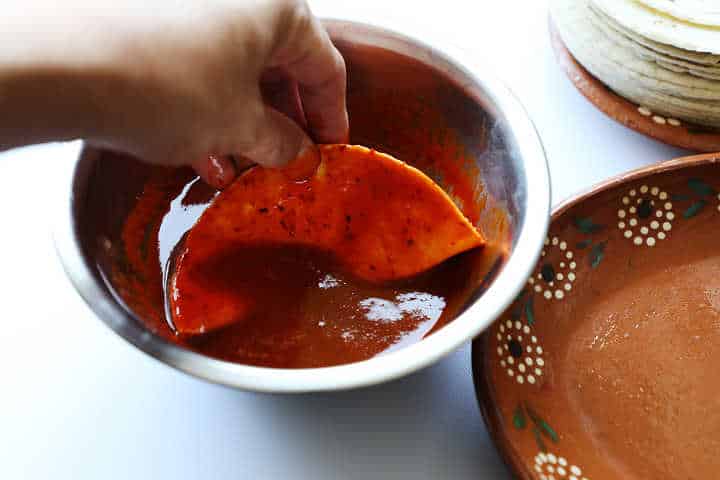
548	431
521	295
586	225
518	309
539	440
694	209
597	254
519	419
700	188
529	312
542	425
584	244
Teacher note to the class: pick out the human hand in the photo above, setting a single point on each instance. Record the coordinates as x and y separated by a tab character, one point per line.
208	84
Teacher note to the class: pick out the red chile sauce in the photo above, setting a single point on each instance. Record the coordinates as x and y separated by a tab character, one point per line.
314	315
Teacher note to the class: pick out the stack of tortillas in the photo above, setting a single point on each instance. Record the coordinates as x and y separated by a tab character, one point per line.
662	55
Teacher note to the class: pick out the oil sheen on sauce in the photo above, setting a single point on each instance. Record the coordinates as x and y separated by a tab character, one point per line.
312	314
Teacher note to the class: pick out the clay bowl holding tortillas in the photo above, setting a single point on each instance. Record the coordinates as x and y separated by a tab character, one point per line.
652	65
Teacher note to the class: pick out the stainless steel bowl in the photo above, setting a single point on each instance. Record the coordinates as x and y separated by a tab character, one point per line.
459	97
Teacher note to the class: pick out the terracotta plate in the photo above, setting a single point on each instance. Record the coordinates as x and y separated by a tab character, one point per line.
607	365
666	130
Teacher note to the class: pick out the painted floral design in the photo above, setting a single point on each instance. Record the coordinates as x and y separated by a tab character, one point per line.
556	272
526	418
699	196
550	466
520	352
646	215
590	229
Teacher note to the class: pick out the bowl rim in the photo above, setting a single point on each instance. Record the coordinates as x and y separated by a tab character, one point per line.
479	374
466	326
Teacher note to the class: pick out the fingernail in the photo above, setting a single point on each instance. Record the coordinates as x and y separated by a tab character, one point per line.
307	147
305	164
221	171
242	163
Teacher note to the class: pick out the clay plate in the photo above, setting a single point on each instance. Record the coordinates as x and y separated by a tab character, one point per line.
667	130
606	366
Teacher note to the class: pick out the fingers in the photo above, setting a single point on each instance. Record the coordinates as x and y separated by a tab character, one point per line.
242	164
267	137
309	57
303	88
217	171
280	91
270	138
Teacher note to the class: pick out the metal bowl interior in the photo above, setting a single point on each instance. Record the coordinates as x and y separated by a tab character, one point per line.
439	111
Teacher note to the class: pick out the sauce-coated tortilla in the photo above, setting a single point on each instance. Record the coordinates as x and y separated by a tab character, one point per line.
379	218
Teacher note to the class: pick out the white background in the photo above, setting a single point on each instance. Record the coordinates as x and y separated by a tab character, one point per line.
76	402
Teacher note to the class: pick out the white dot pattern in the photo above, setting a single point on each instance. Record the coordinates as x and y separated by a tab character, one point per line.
659	119
645	216
551	467
554	281
519	352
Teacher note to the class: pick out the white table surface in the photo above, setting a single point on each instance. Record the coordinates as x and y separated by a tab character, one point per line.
77	402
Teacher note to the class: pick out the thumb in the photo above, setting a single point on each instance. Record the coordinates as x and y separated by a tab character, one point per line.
216	170
271	139
268	138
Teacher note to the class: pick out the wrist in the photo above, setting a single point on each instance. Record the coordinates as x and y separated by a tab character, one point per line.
57	75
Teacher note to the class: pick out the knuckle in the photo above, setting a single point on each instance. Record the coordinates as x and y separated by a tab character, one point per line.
299	24
294	15
339	64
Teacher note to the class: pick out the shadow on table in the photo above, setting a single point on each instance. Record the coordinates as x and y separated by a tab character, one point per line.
426	425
